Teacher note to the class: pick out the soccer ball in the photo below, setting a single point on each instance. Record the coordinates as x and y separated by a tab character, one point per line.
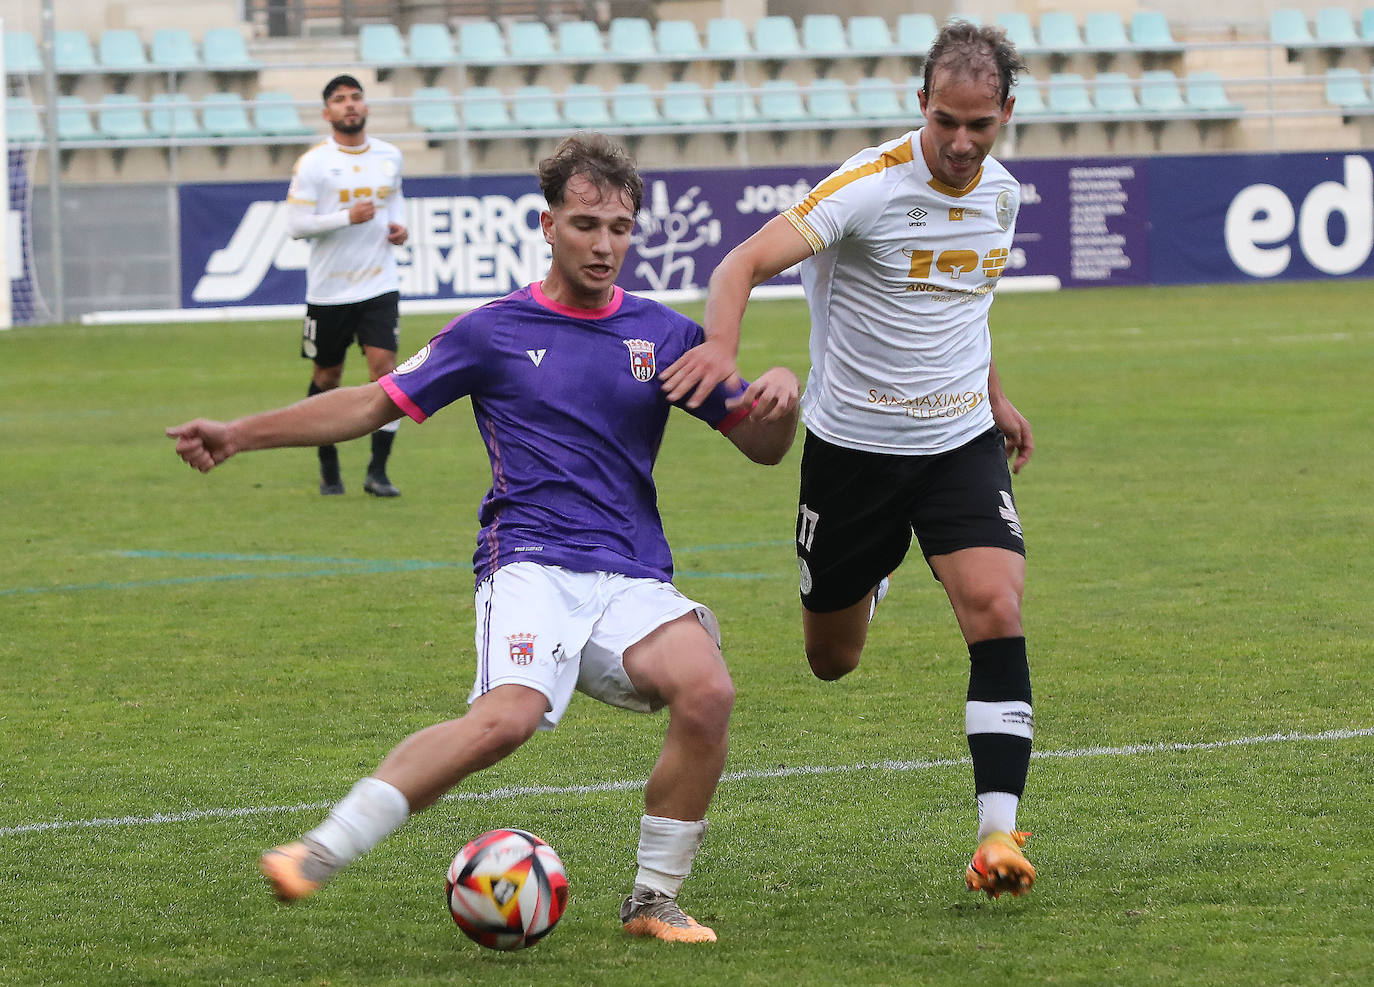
507	889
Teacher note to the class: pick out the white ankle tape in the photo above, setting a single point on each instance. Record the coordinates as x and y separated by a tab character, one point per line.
368	814
667	848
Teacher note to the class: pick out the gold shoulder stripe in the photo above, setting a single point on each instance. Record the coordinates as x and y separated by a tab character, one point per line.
901	154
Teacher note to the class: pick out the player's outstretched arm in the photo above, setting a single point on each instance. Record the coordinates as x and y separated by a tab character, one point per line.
335	416
767	433
769	252
1020	443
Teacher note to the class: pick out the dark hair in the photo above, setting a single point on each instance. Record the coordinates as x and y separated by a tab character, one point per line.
340	80
595	156
961	45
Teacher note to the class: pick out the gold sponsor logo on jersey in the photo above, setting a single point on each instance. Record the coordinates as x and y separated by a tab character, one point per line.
947	405
959	213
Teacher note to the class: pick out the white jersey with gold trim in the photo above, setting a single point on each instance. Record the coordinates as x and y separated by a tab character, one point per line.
899	289
348	262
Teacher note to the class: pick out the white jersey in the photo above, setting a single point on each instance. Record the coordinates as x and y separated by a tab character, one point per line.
899	288
348	262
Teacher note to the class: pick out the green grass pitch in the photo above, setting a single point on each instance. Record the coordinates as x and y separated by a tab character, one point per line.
194	666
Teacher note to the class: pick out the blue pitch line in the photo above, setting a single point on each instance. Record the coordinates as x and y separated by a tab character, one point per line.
521	791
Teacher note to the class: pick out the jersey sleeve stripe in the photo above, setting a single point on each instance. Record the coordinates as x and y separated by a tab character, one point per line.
402	399
804	228
899	155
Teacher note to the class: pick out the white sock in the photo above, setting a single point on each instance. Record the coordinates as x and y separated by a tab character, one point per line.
667	848
368	814
996	813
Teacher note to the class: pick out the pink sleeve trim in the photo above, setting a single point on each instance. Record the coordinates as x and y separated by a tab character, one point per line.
402	399
734	418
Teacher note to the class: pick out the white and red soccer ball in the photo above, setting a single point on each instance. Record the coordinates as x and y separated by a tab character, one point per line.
507	889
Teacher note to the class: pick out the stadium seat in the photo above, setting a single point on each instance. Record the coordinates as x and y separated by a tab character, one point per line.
1019	31
776	37
122	51
631	38
535	108
727	37
869	35
585	107
678	40
878	99
581	41
22	56
1068	95
275	114
829	99
1114	94
529	41
780	100
22	125
481	42
1345	88
433	110
1104	32
1030	99
1160	95
1288	27
911	98
1204	91
1367	25
120	118
732	102
684	104
382	45
225	114
633	105
915	32
74	120
431	44
1150	33
172	116
484	108
174	50
822	36
1335	28
72	52
224	50
1059	35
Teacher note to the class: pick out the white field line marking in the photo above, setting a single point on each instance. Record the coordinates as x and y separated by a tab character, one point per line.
520	791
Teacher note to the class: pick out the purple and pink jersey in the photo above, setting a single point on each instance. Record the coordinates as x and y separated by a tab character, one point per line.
572	415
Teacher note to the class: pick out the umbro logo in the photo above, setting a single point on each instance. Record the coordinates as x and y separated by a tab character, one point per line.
536	356
917	215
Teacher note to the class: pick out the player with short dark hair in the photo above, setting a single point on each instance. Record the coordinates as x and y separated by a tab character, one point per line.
345	198
573	569
907	427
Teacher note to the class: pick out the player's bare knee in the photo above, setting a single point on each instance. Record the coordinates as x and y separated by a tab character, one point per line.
500	736
705	709
830	663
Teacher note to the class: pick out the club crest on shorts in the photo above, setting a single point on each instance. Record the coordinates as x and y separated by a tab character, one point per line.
641	358
521	648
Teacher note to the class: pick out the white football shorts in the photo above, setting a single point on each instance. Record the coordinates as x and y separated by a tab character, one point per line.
555	630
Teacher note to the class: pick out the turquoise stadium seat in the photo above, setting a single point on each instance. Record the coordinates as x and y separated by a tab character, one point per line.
776	36
1059	34
382	45
912	97
174	50
530	41
1345	88
869	35
173	116
22	125
780	100
481	42
585	107
631	38
484	108
433	110
1030	98
22	56
122	50
1114	94
1367	25
74	120
580	40
535	108
1105	31
633	105
878	99
1068	94
72	52
431	44
223	48
1335	27
1019	31
727	37
226	115
1288	27
120	118
732	102
1150	32
915	33
1160	94
684	105
1204	91
276	114
678	39
823	35
829	99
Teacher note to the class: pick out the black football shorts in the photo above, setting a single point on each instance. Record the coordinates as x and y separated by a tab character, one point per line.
330	329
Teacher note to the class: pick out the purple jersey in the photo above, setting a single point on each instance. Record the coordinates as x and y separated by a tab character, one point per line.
572	417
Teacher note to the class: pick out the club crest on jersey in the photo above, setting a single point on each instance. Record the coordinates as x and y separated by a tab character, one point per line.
641	358
521	648
1006	209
